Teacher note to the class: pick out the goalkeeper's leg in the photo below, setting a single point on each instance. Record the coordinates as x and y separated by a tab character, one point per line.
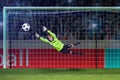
75	53
72	45
66	50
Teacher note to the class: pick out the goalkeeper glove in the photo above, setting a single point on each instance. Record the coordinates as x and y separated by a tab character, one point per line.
37	35
44	29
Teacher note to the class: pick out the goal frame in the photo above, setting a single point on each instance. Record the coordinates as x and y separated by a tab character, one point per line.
41	8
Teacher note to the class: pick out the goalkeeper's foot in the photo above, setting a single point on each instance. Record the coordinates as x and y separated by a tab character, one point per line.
77	53
44	28
76	43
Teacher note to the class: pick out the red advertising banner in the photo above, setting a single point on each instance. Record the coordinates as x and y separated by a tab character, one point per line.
50	58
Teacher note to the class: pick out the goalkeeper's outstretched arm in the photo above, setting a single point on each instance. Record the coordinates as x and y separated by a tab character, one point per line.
41	38
45	30
51	34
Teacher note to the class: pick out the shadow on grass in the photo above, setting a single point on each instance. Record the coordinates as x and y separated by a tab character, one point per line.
39	71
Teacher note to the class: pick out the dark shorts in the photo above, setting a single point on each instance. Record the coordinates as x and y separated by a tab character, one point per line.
65	49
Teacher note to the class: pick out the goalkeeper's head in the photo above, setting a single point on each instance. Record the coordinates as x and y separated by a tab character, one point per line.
48	36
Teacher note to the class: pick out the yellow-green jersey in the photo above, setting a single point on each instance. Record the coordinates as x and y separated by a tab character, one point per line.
56	43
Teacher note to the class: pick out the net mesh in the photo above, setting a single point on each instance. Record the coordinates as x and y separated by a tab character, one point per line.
97	30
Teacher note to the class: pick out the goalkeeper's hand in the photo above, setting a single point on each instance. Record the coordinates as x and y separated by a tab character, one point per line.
44	29
37	35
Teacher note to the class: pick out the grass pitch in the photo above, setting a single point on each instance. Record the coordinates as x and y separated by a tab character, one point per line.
59	74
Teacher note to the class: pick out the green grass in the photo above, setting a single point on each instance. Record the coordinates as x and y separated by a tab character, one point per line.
58	77
59	74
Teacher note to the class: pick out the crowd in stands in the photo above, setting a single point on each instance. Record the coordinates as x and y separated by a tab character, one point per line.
80	25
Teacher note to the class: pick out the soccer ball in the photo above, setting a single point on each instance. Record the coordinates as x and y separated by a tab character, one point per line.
26	27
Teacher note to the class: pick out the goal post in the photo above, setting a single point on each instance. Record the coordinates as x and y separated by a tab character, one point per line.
23	50
4	38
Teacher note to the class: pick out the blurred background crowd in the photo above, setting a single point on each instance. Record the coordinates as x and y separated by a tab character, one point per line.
73	25
90	25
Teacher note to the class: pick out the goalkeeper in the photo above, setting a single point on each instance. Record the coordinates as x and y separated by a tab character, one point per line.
57	44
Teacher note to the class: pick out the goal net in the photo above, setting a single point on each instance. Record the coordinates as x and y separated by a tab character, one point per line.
96	28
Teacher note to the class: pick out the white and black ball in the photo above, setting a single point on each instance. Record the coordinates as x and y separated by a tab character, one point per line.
26	27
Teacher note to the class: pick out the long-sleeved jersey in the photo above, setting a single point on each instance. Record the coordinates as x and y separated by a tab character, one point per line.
56	43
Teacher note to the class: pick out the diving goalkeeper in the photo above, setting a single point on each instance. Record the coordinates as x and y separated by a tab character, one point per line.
56	43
